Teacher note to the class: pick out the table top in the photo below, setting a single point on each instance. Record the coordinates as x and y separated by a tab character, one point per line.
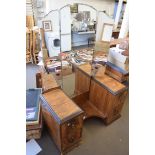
104	80
86	68
64	108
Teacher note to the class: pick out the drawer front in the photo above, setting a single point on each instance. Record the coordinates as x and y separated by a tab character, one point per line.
71	132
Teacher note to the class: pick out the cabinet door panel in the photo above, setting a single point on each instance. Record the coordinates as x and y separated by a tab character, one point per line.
71	132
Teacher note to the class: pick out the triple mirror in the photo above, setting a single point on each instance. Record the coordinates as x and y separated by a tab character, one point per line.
76	42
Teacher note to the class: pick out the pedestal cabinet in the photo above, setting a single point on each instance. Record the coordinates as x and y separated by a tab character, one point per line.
105	96
63	118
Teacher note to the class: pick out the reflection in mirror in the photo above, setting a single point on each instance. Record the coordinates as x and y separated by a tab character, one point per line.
65	46
77	37
107	32
50	52
102	44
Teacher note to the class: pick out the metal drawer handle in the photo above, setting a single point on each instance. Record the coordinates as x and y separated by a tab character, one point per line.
71	140
71	125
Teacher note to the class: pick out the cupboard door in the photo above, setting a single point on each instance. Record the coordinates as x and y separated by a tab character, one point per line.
71	132
99	97
115	106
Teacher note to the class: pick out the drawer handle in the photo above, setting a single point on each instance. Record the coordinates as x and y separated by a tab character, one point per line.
71	125
84	117
71	140
68	124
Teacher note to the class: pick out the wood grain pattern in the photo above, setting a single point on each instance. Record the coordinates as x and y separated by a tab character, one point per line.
46	81
68	133
53	128
35	45
106	102
71	132
115	106
82	82
29	22
108	82
116	73
49	82
89	109
98	99
61	104
86	68
106	96
28	46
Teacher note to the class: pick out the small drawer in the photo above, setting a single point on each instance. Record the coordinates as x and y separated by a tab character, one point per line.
73	124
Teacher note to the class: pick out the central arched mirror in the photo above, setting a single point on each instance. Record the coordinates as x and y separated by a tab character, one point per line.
77	35
85	35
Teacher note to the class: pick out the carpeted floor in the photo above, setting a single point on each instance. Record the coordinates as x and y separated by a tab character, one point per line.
97	139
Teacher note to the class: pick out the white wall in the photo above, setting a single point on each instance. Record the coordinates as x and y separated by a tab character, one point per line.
100	5
54	18
102	18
